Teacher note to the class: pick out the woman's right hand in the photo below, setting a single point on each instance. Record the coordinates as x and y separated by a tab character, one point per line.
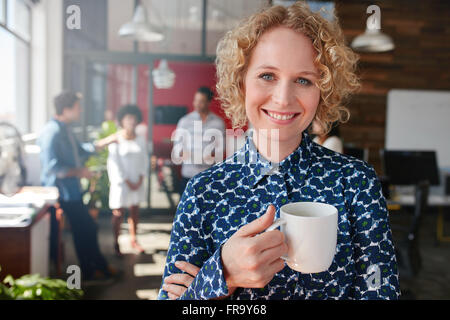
176	284
250	258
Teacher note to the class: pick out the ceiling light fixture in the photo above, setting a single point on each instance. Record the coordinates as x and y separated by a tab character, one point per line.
373	40
163	76
139	29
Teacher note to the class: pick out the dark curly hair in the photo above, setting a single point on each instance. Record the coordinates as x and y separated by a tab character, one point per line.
209	94
130	109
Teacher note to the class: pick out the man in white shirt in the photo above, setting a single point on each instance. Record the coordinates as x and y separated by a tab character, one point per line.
199	138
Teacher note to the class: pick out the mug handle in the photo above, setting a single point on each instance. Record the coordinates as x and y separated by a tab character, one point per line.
277	223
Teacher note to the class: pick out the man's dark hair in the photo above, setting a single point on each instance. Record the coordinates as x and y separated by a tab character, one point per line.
207	92
130	109
65	100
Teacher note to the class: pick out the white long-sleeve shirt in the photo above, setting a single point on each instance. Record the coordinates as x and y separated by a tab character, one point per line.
195	138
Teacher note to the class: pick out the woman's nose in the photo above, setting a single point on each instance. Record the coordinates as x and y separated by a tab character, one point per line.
282	94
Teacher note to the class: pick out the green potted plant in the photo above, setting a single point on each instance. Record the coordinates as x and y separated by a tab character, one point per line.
96	189
35	287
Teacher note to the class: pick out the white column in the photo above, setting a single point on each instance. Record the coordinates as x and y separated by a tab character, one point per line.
55	25
46	60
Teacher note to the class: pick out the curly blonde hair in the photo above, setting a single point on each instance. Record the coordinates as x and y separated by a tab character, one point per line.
335	61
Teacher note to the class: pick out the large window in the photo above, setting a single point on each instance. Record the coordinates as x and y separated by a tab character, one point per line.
2	11
15	36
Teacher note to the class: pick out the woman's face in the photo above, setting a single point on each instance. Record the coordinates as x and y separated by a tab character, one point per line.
129	122
279	84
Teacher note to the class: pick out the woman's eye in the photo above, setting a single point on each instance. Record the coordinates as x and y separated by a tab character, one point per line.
266	76
303	81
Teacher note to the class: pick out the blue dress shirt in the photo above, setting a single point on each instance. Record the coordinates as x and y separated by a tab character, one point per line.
220	200
60	152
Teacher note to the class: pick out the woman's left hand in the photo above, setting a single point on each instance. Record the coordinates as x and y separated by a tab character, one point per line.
177	283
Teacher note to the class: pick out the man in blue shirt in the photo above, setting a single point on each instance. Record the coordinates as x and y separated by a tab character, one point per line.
62	158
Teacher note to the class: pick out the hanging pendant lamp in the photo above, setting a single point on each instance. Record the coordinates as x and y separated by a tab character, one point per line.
163	76
373	40
139	29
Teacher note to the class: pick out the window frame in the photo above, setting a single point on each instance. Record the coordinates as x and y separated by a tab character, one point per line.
3	15
27	43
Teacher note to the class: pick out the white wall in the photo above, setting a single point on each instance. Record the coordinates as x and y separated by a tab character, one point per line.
419	120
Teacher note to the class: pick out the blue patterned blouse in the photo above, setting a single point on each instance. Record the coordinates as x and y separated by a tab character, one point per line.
230	194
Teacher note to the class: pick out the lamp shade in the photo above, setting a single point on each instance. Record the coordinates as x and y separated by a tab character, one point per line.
163	76
373	40
139	28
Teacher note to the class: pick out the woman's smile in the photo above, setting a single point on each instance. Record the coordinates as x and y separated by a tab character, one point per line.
282	118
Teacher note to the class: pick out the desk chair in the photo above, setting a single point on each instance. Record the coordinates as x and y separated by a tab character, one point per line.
411	167
407	248
440	221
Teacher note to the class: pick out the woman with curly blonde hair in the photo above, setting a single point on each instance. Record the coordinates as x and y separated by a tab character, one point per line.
279	70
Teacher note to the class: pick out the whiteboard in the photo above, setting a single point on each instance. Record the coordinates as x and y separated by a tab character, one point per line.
419	120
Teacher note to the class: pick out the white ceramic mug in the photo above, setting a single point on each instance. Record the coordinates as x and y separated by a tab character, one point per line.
310	229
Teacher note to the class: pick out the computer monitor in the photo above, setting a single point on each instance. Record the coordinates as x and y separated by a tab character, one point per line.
404	167
358	153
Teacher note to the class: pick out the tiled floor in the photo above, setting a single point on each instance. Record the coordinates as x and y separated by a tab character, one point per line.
433	279
142	273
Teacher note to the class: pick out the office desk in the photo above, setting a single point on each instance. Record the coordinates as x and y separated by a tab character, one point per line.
25	231
438	201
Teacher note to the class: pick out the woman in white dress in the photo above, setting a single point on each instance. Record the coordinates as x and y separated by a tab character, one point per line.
127	166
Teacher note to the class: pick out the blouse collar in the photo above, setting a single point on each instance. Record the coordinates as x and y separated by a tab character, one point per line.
296	164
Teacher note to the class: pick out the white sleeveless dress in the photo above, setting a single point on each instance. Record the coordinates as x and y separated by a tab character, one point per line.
127	159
